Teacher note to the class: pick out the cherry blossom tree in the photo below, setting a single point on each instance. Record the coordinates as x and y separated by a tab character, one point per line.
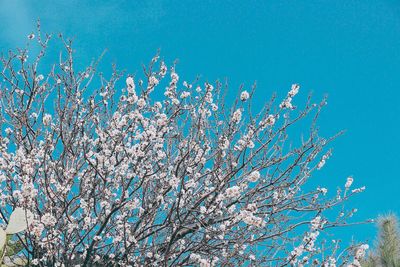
152	170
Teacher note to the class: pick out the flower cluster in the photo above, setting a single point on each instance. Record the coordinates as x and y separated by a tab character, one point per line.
244	96
254	176
359	255
237	116
287	102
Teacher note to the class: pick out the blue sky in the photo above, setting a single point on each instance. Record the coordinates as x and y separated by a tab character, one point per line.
346	49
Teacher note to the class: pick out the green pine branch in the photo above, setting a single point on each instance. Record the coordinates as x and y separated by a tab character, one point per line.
387	251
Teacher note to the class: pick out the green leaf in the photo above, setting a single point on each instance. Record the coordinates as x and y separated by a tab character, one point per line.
14	248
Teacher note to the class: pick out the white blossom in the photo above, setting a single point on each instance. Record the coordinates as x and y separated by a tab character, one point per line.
269	121
39	78
47	119
130	83
349	182
153	81
294	90
232	192
358	190
287	103
48	220
254	176
237	116
244	96
223	143
141	103
323	190
185	94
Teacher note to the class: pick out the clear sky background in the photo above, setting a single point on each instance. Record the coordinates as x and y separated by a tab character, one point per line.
346	49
